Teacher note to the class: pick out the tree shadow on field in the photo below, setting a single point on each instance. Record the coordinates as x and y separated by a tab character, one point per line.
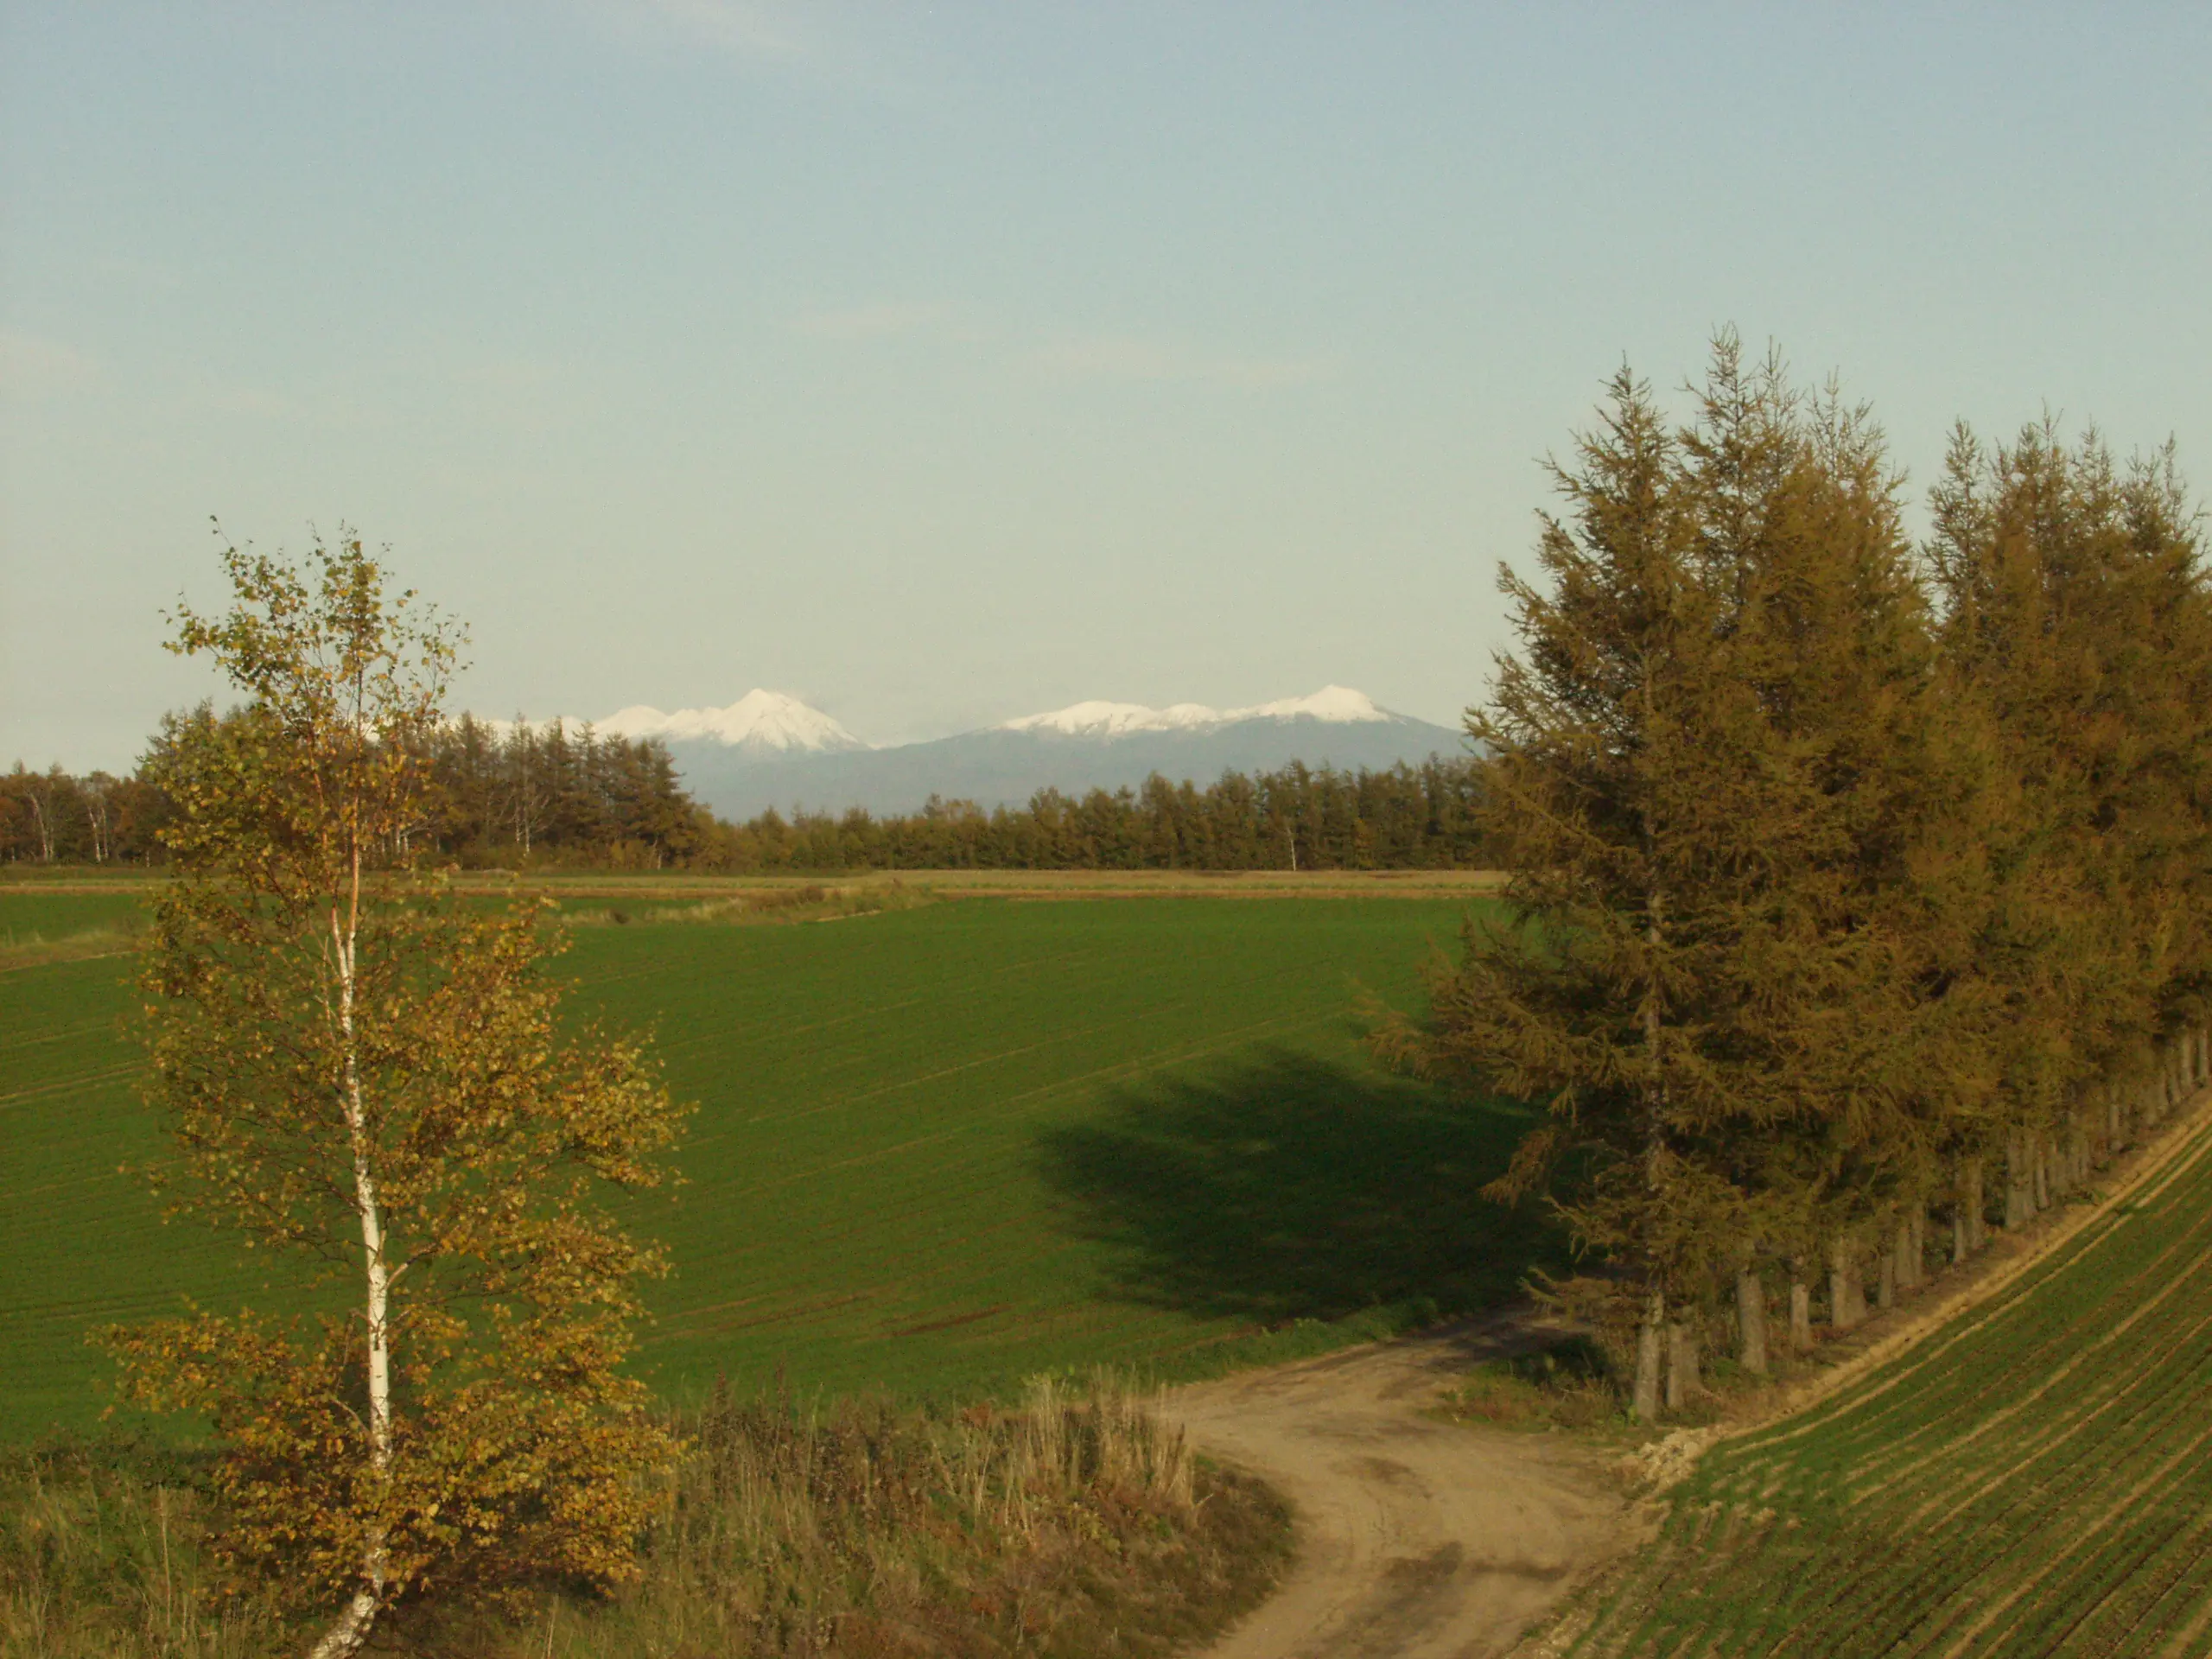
1293	1188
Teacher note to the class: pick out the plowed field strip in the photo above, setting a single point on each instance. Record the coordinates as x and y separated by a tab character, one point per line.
2037	1480
1976	1326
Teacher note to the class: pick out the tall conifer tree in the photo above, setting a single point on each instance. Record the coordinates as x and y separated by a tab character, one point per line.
1721	779
2076	613
1621	746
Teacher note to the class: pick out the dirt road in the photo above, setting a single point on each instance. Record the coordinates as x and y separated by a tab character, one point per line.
1423	1539
1416	1538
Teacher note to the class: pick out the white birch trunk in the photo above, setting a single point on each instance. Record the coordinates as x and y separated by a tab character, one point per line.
348	1636
1800	1315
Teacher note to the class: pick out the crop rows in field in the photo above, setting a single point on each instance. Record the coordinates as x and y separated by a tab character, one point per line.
2035	1480
935	1150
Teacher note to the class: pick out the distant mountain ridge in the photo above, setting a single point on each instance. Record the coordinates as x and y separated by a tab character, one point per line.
770	749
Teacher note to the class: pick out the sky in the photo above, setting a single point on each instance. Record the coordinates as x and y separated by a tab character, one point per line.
944	364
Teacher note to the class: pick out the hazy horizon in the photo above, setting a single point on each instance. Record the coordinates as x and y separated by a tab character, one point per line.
943	367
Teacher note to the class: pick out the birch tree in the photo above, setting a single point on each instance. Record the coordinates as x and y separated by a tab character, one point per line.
362	1073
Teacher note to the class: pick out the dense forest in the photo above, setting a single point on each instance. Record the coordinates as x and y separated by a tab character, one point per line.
1860	891
518	796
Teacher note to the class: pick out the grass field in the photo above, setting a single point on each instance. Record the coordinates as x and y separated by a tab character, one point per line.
2035	1480
30	914
938	1148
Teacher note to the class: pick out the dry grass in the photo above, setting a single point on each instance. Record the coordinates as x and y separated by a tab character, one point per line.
99	1556
1076	1525
1569	1385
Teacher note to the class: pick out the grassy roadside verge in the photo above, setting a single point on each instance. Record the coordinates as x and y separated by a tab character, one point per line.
1073	1525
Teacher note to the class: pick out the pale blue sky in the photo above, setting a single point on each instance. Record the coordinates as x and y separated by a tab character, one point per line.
945	364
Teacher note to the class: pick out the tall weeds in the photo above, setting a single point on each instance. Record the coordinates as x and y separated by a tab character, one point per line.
1076	1523
100	1555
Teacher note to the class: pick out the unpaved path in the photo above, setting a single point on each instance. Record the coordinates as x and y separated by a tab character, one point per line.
1420	1539
1417	1539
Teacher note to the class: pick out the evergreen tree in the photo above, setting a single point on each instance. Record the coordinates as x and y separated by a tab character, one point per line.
1720	776
2075	614
1599	799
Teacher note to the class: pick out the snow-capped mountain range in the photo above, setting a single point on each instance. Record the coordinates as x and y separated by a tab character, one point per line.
769	749
775	722
768	722
1337	703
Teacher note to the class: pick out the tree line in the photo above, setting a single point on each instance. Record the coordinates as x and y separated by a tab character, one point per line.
493	793
1861	887
515	795
58	817
1297	818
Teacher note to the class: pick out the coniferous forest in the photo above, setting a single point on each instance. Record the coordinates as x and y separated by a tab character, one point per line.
1861	889
514	795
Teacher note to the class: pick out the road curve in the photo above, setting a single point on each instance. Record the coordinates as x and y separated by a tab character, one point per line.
1417	1539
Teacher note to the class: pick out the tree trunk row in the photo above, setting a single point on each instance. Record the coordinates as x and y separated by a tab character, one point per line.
2041	1167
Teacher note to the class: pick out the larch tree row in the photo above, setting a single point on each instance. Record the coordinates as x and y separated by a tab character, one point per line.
1860	891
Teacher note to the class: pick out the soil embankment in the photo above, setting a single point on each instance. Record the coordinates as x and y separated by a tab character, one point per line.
1417	1537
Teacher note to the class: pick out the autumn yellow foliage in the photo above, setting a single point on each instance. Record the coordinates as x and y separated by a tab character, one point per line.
360	1071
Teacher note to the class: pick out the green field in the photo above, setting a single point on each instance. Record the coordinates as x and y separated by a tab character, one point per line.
27	914
2035	1480
937	1149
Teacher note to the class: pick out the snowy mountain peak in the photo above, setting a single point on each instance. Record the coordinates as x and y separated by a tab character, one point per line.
1097	719
1337	704
760	721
